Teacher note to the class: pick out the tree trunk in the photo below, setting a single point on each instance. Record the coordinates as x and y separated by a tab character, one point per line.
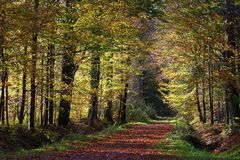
95	78
17	102
51	83
2	64
34	68
203	101
2	100
69	69
124	105
230	40
198	103
68	72
41	91
7	95
108	111
24	91
120	108
210	87
46	113
220	102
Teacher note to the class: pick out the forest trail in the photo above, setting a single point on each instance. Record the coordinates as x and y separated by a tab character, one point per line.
135	143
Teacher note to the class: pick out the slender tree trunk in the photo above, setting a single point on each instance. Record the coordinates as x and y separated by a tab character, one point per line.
24	92
120	107
203	101
95	79
46	113
229	115
51	83
100	98
2	100
227	111
210	87
198	103
2	63
33	84
7	95
124	105
219	103
41	91
18	102
34	68
219	111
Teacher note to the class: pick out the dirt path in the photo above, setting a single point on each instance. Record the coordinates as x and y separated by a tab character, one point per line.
136	143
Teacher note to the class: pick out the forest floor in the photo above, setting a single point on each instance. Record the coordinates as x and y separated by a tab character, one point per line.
165	139
135	143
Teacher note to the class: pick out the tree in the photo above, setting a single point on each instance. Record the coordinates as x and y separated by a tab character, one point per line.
34	49
108	111
24	90
232	92
69	67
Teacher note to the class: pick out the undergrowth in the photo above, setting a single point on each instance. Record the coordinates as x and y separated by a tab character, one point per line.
71	141
140	110
178	144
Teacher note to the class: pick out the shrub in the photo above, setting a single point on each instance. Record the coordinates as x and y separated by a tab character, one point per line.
139	111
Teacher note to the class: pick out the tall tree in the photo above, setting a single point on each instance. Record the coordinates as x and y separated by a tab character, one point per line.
69	67
108	110
2	59
124	104
210	89
95	79
34	48
51	82
24	90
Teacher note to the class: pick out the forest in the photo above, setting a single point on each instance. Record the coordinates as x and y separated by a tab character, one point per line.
119	79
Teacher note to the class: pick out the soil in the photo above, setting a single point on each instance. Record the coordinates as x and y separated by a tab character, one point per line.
136	143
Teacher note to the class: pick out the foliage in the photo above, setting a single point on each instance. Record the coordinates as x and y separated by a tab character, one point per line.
178	144
68	142
183	143
139	111
191	43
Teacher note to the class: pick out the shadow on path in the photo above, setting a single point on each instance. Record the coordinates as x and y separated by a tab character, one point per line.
136	143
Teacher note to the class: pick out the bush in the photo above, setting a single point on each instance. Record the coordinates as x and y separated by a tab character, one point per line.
183	129
140	111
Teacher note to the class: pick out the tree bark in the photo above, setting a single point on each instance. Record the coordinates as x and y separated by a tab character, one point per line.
7	95
24	91
46	113
34	67
230	40
3	69
95	78
69	69
51	83
68	72
108	111
210	87
120	108
204	102
2	100
198	103
41	91
124	105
